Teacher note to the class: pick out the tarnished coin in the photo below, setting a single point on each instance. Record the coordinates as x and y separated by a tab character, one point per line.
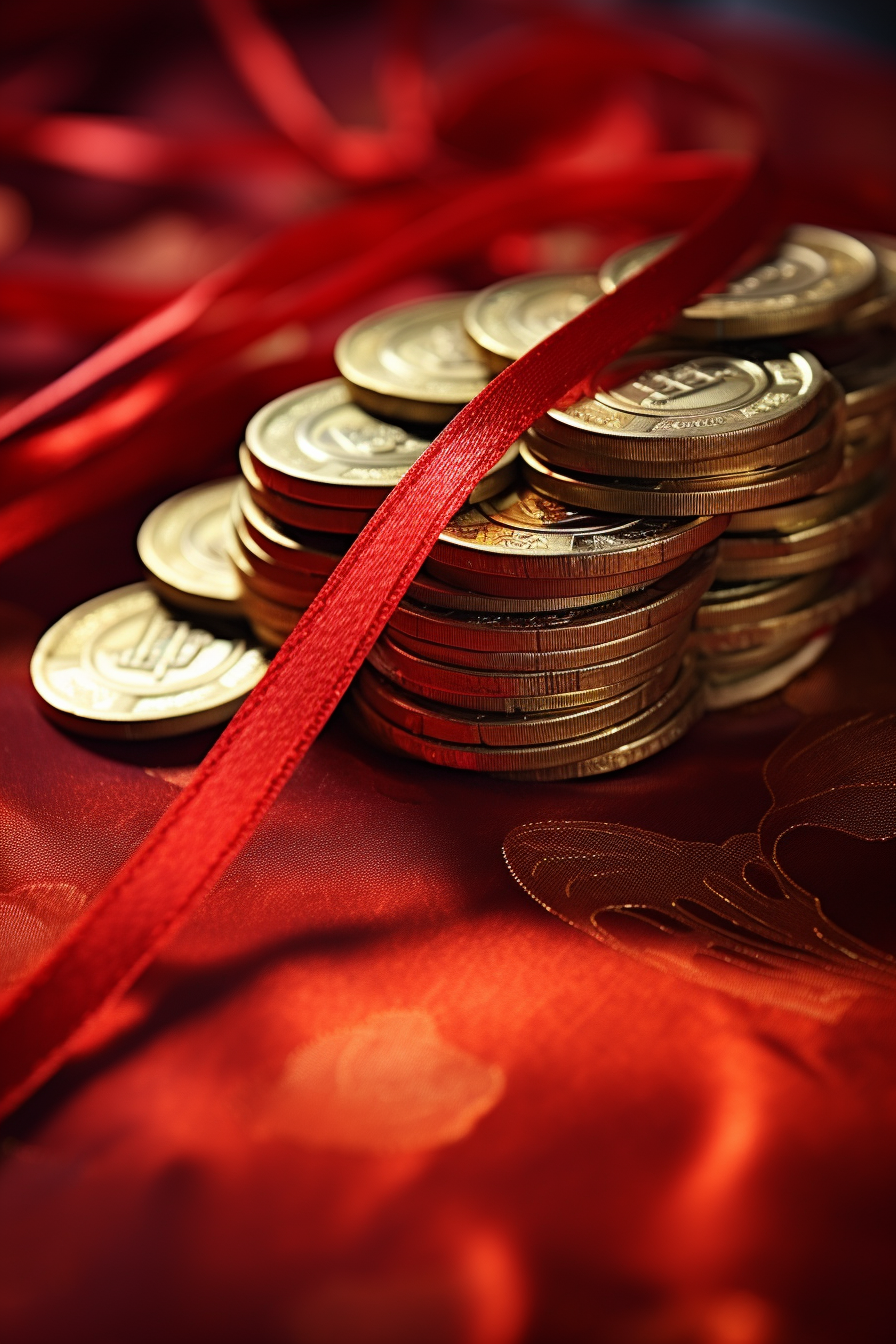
562	591
743	603
676	498
839	597
415	362
728	692
558	629
668	403
546	755
428	718
596	458
508	318
317	445
814	276
124	665
427	677
548	660
653	741
283	544
430	591
181	545
800	513
523	533
865	367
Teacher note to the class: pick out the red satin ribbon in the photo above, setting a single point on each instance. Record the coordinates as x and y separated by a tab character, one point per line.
243	774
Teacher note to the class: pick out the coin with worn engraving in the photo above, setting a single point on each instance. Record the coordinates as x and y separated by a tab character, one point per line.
813	277
596	458
317	445
740	603
559	629
652	741
508	318
523	533
415	362
429	718
181	545
125	665
668	403
670	499
536	757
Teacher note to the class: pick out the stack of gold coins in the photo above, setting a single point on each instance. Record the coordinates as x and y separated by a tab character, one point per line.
838	293
317	462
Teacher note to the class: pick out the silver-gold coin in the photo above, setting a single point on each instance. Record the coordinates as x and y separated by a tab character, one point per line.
181	545
124	665
508	318
702	403
316	438
414	362
814	277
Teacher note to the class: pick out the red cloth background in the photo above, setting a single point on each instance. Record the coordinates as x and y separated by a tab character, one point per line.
373	1092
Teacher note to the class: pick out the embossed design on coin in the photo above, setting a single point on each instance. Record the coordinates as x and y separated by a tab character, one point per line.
815	276
415	360
123	665
509	317
182	545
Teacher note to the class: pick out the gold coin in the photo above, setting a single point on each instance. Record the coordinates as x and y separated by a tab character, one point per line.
267	635
715	495
860	459
800	513
309	441
595	458
814	277
521	660
524	534
738	604
508	318
298	512
862	522
428	718
881	307
727	694
654	740
285	547
865	367
124	665
181	545
709	403
546	755
840	597
262	575
272	615
415	362
562	592
559	629
428	677
430	591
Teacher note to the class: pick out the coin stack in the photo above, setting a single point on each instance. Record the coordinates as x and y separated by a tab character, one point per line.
782	583
542	640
